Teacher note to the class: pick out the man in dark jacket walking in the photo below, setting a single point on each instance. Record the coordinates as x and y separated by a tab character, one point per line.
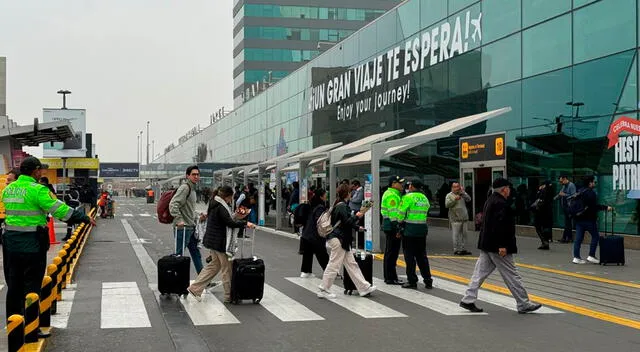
497	244
587	220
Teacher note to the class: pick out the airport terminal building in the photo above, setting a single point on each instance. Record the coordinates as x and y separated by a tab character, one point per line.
567	69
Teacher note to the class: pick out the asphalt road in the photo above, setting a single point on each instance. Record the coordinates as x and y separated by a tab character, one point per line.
116	308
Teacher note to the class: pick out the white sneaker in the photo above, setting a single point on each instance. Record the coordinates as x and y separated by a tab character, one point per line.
579	261
326	294
368	291
306	275
593	260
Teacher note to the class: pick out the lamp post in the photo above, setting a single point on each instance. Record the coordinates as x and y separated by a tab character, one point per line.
64	97
147	142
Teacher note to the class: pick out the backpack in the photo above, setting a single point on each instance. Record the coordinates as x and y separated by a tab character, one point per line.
324	223
301	213
164	215
575	204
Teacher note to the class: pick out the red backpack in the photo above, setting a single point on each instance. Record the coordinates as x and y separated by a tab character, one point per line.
164	215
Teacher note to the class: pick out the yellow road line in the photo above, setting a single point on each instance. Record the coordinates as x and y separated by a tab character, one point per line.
546	301
554	271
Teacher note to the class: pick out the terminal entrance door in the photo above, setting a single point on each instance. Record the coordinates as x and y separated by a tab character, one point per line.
482	160
477	183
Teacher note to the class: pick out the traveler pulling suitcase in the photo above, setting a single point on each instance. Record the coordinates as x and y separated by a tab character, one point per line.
611	246
173	270
247	275
365	262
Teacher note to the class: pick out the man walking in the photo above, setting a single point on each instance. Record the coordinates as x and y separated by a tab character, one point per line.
389	210
568	190
586	220
458	216
497	245
26	239
183	209
413	212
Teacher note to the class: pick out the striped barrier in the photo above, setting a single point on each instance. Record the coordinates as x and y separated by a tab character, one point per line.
45	303
51	272
15	333
31	317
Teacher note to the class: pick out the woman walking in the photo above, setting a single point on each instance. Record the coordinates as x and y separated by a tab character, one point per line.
310	241
340	243
221	224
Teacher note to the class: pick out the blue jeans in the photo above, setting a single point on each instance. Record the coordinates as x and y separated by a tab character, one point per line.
581	227
191	243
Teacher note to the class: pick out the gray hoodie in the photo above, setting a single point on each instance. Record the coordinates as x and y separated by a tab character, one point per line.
457	207
183	204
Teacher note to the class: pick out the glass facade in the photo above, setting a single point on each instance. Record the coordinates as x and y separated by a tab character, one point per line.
567	68
283	33
283	55
311	12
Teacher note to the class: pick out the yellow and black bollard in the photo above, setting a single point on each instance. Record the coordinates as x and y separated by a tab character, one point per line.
66	261
57	261
51	271
31	317
62	270
45	304
15	333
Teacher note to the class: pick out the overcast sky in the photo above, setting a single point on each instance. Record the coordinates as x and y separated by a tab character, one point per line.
125	61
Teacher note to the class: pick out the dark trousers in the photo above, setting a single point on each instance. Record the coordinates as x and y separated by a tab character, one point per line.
309	248
391	252
415	252
544	233
567	234
581	227
23	273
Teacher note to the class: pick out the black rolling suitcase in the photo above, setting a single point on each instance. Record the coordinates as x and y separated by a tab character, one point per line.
611	246
247	275
365	262
173	271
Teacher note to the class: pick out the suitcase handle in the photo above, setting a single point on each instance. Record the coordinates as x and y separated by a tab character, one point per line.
253	243
613	222
184	239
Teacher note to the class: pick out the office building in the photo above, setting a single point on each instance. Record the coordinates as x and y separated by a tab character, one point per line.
274	38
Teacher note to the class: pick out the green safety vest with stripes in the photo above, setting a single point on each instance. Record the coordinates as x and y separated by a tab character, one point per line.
389	209
414	210
26	205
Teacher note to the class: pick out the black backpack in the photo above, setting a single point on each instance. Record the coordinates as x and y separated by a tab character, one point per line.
301	214
575	204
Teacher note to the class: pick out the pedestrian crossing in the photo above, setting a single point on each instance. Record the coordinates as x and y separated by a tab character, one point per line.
122	304
142	215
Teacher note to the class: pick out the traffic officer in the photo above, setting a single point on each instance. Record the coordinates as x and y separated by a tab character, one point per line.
413	218
26	239
389	210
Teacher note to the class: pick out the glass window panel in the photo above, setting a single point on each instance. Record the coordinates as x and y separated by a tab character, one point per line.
578	3
351	14
432	11
408	18
544	98
368	47
535	11
456	5
387	37
501	61
499	18
628	99
547	46
465	74
604	28
598	84
508	95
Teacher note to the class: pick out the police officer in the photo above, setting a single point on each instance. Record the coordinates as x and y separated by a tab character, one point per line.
389	210
413	217
26	241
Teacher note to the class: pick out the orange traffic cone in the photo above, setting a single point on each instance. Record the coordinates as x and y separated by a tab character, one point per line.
52	231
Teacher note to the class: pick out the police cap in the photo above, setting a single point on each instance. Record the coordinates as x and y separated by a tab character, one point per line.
29	165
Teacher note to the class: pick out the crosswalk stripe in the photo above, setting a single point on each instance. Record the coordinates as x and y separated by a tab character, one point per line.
144	215
122	306
127	215
208	312
364	307
423	299
489	297
284	307
61	318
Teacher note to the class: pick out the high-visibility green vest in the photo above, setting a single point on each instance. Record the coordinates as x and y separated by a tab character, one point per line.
26	205
389	209
414	210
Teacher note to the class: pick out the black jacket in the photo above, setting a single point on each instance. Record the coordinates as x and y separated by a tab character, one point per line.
590	201
218	219
310	229
544	210
348	222
498	226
